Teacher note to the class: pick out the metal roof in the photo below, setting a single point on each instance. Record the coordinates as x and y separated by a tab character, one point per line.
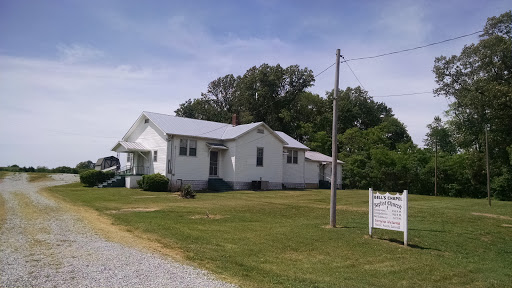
235	131
187	126
292	143
129	146
217	146
101	160
319	157
175	125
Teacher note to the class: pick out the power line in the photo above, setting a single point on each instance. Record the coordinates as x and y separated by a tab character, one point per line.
402	51
325	69
415	48
382	96
404	94
353	73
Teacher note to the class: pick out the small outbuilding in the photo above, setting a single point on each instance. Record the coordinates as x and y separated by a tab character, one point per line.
107	162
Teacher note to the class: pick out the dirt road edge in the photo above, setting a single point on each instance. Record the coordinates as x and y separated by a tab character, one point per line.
104	226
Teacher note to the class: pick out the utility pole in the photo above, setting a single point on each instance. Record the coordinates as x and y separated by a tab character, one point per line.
487	165
334	178
435	173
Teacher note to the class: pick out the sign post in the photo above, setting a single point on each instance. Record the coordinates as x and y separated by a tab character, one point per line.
389	212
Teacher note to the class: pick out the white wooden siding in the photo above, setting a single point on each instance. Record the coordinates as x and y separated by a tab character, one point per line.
328	173
294	173
191	167
150	136
227	167
245	154
312	172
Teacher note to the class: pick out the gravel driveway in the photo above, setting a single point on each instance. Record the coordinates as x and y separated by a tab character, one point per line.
43	245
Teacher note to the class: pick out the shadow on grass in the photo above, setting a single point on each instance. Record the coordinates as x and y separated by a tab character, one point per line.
427	230
401	242
338	227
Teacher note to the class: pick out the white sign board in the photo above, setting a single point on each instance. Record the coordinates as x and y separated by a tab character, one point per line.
388	212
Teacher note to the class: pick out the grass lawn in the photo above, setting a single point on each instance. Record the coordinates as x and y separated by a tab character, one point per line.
279	239
38	177
4	174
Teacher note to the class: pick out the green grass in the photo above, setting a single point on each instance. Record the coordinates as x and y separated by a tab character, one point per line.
4	174
279	239
38	177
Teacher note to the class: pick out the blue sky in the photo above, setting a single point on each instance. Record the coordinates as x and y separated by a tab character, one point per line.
75	75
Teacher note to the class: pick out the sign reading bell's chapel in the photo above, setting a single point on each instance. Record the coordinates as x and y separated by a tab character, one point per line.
388	212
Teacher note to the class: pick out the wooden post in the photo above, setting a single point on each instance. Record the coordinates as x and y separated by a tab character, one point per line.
405	211
435	173
334	176
370	222
487	167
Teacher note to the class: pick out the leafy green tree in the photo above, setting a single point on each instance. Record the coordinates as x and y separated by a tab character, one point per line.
321	142
382	157
42	169
64	169
440	135
85	165
358	109
479	80
267	93
217	104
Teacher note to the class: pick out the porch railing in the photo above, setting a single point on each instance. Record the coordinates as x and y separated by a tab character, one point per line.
133	170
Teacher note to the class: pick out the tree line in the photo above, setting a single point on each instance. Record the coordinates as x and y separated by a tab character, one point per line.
376	147
79	168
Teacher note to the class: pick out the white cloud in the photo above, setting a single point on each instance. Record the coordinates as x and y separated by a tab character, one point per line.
71	113
76	108
405	22
76	53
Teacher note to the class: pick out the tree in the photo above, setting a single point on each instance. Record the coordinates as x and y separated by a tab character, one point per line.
440	135
217	104
382	157
85	165
479	80
358	109
265	93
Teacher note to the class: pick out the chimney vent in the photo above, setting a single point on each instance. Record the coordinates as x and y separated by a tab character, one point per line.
233	120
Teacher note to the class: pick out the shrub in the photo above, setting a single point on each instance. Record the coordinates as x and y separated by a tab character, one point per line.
140	182
94	177
502	187
187	192
108	175
64	169
154	182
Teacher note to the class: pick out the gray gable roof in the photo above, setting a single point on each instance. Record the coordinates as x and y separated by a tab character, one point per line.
175	125
292	143
187	126
319	157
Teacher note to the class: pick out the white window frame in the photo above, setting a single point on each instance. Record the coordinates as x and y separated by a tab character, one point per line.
257	156
190	145
155	156
190	142
186	147
292	156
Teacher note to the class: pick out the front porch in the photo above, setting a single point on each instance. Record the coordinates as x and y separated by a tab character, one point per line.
138	161
129	170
